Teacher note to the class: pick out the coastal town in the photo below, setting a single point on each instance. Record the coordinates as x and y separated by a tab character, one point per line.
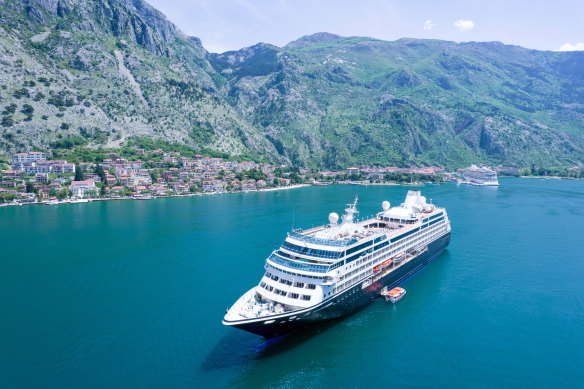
43	177
35	177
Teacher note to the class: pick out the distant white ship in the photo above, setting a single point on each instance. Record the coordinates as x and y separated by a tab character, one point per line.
482	176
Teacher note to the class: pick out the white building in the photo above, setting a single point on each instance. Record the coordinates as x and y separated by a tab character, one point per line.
31	156
81	188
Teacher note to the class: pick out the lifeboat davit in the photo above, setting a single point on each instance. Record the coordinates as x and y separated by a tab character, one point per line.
376	269
400	257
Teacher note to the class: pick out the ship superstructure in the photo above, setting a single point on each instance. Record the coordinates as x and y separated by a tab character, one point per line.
332	270
482	176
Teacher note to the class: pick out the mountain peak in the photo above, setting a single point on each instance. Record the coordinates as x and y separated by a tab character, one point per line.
309	40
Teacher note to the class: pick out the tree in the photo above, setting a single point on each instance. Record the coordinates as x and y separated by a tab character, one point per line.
52	192
7	121
27	109
99	171
153	177
63	193
256	174
11	108
7	197
30	187
91	193
78	173
102	190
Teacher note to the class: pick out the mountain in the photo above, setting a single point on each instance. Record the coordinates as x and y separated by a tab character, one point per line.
99	72
341	100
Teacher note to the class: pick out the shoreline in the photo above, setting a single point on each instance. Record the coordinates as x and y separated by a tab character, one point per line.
551	178
157	197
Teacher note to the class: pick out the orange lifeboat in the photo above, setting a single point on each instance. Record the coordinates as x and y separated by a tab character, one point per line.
376	269
394	295
386	263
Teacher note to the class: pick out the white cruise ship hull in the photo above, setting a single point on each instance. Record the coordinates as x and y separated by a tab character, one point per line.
343	303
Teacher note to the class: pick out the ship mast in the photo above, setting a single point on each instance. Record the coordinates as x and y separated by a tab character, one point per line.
350	211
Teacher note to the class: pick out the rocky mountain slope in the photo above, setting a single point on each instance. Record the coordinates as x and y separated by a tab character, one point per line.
97	72
341	100
105	71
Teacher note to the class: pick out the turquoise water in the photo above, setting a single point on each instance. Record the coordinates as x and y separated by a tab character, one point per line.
132	293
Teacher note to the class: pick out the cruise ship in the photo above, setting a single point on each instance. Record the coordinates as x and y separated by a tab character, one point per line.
330	271
482	176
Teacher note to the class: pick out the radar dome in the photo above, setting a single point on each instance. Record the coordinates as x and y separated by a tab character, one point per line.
385	205
333	218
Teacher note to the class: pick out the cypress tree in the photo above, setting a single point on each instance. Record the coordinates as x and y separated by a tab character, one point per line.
78	173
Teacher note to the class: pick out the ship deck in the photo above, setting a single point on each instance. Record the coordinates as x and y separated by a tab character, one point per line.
345	235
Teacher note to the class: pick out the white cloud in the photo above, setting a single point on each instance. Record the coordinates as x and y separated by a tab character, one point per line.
428	25
572	47
464	25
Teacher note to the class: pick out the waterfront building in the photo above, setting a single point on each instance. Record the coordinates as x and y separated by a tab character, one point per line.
81	188
207	186
353	171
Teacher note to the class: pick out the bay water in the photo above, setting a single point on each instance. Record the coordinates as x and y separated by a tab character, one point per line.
132	293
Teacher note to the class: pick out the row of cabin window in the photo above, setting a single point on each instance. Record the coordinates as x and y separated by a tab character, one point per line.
283	293
404	235
299	275
368	251
357	248
404	242
278	257
297	284
364	270
433	231
311	251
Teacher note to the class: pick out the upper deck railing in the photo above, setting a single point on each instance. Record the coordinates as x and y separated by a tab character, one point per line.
296	234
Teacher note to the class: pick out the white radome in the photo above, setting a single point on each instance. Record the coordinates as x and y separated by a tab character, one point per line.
333	218
385	205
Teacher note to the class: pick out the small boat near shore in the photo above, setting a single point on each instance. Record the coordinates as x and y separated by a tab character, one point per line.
142	197
78	201
393	295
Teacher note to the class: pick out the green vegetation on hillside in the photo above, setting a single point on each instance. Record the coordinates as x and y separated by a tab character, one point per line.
74	82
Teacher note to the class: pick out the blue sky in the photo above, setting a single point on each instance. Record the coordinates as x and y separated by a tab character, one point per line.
230	25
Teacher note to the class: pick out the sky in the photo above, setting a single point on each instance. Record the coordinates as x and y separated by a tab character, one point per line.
224	25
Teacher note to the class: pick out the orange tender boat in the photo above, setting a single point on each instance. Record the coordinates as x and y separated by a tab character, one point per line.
386	263
394	295
376	269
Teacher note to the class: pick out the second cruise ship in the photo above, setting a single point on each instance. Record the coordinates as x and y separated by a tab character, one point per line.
331	271
482	176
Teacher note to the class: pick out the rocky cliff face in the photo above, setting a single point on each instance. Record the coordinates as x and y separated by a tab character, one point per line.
97	72
105	71
339	100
